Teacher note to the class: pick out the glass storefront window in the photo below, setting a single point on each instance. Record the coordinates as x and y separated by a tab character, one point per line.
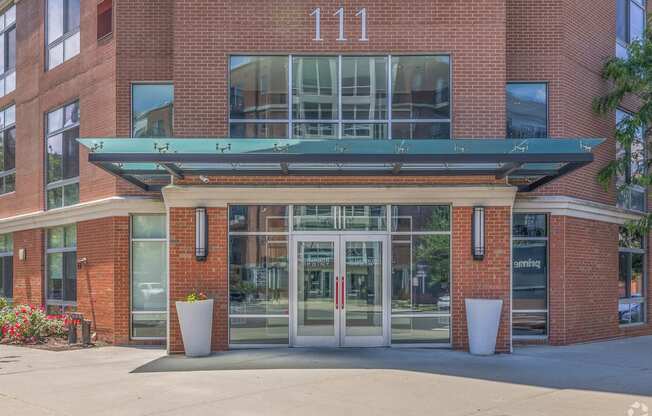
314	217
152	110
529	274
148	276
411	218
61	268
6	266
527	110
245	330
632	278
258	218
334	97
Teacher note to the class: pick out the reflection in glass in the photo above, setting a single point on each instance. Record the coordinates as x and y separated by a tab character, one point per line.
258	218
55	158
259	87
314	218
259	130
149	325
422	329
527	110
421	274
364	288
364	217
364	88
370	131
245	330
148	226
314	131
409	218
529	323
258	275
421	87
55	20
530	274
55	276
314	88
152	107
420	131
315	286
529	225
148	274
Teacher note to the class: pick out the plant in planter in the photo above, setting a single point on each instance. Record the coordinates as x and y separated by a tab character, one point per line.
25	324
196	321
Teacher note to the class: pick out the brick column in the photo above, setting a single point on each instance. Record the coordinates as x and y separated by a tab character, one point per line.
28	273
488	278
103	281
556	280
187	274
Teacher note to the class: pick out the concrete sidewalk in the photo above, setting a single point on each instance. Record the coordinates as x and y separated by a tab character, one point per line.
593	379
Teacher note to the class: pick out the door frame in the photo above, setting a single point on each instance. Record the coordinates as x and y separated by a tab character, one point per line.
339	339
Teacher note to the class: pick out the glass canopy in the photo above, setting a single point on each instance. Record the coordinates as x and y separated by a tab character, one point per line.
149	163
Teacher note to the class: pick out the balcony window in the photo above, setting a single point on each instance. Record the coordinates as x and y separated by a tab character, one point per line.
366	97
527	110
62	31
62	163
152	110
8	51
8	150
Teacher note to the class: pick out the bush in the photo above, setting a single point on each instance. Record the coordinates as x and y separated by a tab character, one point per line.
27	324
4	303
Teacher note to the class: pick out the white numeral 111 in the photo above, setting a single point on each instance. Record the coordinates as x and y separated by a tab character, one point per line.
362	14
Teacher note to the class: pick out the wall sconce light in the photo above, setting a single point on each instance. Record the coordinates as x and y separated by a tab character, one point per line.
22	254
201	234
477	233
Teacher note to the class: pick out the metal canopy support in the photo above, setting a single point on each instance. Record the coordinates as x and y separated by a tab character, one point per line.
173	170
508	168
121	174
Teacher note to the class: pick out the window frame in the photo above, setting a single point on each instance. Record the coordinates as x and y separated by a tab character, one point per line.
6	71
626	179
3	255
511	255
62	183
290	121
546	85
63	38
166	279
623	44
633	300
131	102
63	304
3	130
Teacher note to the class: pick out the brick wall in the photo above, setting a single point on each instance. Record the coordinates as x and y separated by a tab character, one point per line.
584	282
28	273
486	279
188	275
103	281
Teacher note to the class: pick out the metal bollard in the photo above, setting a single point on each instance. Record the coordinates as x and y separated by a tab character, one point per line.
86	332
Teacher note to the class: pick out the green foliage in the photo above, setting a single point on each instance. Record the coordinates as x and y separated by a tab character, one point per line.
3	304
27	324
629	79
196	296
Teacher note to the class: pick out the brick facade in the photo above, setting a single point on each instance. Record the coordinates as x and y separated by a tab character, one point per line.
491	42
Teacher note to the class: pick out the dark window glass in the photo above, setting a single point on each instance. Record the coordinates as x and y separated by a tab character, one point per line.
259	87
258	275
6	276
258	218
314	88
420	87
10	50
527	110
259	130
630	238
621	20
529	225
420	274
152	110
409	218
530	274
416	131
9	149
70	277
530	323
70	153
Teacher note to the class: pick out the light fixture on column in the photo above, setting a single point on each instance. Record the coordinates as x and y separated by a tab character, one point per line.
201	234
477	233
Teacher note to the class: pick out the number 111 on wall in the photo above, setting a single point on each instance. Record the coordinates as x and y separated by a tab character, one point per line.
362	14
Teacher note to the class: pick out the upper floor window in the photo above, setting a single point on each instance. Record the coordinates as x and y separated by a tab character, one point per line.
366	97
631	277
631	195
8	150
62	164
8	51
527	110
104	18
152	108
630	24
6	266
62	31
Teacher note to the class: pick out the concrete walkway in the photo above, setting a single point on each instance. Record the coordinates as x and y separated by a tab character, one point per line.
593	379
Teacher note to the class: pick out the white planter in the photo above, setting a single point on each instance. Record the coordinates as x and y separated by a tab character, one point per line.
196	321
482	322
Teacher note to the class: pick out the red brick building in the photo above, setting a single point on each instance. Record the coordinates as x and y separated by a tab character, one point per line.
362	169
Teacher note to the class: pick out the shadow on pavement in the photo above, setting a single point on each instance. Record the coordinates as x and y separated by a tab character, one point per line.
622	366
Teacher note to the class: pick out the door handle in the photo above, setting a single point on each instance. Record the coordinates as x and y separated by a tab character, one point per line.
337	291
343	301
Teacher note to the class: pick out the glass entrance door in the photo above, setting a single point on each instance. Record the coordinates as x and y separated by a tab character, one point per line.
340	291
